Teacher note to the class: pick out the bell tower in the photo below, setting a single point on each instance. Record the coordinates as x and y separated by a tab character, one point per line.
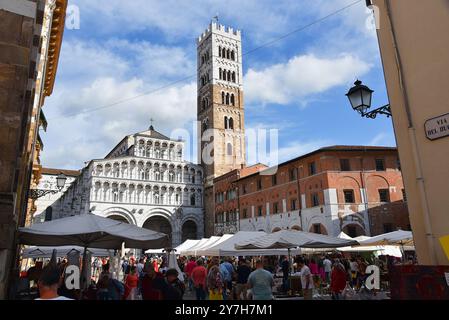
220	111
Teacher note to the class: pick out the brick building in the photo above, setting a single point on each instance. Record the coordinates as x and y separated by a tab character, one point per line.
226	198
354	189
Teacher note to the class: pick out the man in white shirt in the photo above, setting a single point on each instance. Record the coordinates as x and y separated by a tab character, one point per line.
306	279
49	283
327	268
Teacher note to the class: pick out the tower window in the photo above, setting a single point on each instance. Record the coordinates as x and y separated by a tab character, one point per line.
344	165
229	149
315	200
232	99
226	122
219	51
228	54
232	55
224	75
231	123
220	74
229	76
222	98
227	98
223	53
233	76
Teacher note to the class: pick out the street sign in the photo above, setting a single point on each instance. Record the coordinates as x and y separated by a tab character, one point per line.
437	127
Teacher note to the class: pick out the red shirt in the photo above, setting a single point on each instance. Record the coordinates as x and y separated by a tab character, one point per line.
199	274
150	287
338	280
189	267
131	280
156	266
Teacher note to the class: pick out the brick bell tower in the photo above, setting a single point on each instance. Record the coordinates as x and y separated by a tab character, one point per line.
220	112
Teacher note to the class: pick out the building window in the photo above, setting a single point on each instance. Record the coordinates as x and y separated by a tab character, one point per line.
226	122
192	200
244	189
315	200
293	204
229	149
384	195
317	228
349	196
275	208
259	211
344	165
274	179
404	195
245	213
380	165
231	123
259	184
293	174
312	168
388	227
49	213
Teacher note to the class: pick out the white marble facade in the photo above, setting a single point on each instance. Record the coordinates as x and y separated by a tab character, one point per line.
144	181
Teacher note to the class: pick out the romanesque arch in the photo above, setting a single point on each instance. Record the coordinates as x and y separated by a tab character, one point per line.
189	230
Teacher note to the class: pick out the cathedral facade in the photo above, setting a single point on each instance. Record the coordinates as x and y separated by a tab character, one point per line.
143	181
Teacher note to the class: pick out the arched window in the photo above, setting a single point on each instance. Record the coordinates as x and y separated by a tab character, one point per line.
231	123
229	76
233	76
223	53
226	122
220	76
229	149
49	213
227	98
222	97
232	99
228	54
203	104
219	51
224	74
192	200
157	176
232	55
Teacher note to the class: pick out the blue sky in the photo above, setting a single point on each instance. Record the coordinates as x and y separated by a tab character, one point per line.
296	84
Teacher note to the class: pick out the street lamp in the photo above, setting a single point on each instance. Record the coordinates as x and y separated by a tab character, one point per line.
360	98
38	193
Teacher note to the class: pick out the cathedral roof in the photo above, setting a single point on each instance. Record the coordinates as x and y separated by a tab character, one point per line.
153	134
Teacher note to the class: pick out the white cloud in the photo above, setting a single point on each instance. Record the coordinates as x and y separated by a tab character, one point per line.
300	77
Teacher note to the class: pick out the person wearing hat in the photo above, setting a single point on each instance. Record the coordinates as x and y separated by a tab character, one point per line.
173	289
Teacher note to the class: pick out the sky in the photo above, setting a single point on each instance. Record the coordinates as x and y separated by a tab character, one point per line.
131	61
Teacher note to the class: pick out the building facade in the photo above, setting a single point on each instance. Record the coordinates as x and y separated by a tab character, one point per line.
415	63
220	111
143	181
45	209
357	190
30	41
226	200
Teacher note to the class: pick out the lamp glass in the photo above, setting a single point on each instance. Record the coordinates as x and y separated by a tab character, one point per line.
60	181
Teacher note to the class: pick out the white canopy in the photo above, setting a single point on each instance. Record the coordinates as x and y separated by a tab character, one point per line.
46	252
399	237
292	239
226	246
90	230
212	241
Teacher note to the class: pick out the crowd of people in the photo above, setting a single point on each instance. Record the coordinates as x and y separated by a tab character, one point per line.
232	278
